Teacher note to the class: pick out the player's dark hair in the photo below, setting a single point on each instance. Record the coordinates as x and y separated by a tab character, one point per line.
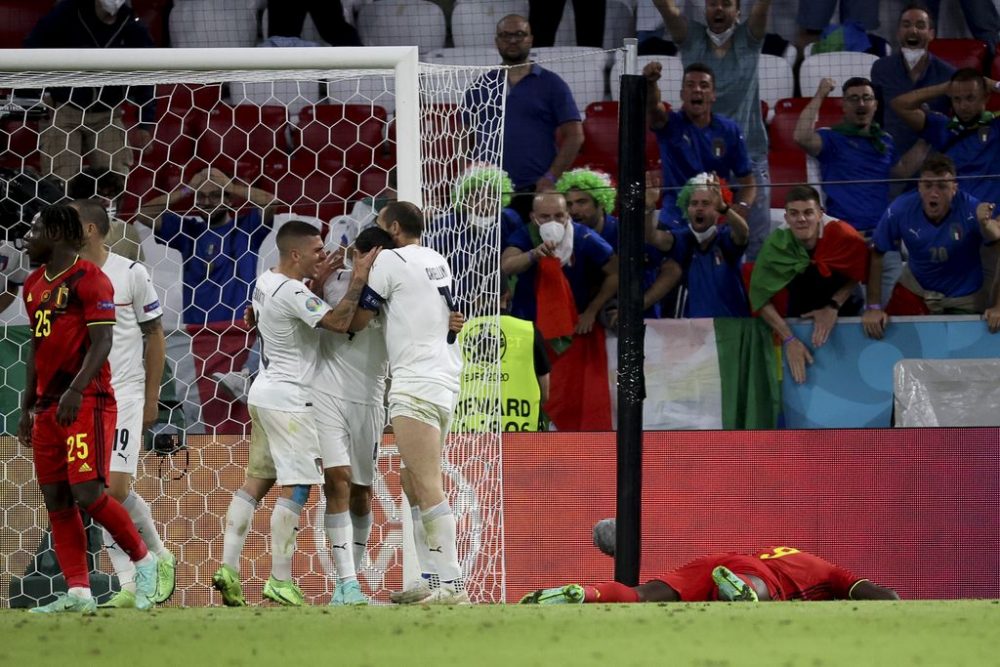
373	237
409	217
856	82
919	6
702	68
514	17
92	212
292	232
970	74
802	193
94	181
937	164
61	221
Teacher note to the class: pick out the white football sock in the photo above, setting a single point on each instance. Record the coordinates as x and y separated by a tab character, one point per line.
238	520
80	592
142	517
338	531
439	524
362	525
284	528
120	561
424	559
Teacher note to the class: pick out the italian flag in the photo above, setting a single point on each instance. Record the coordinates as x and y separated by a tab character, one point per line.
706	374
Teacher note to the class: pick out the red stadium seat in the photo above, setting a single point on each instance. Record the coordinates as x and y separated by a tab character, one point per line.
311	191
161	166
18	18
600	140
993	104
339	135
786	115
241	140
960	52
19	143
787	169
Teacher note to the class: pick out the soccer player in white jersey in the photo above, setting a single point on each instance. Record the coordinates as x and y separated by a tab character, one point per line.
411	285
348	403
284	443
137	354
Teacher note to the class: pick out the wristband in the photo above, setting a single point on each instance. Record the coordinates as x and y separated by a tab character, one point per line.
788	340
743	204
832	303
873	306
533	255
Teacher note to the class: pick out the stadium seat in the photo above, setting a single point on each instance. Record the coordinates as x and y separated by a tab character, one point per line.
162	165
308	191
310	32
293	95
960	52
463	55
370	90
600	143
244	140
19	143
473	22
213	23
839	66
670	80
402	22
581	67
786	114
776	80
994	102
443	159
341	135
18	18
787	169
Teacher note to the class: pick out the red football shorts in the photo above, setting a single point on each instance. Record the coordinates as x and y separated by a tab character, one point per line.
693	582
76	453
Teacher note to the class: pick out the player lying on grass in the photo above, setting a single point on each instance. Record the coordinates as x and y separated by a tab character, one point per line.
781	573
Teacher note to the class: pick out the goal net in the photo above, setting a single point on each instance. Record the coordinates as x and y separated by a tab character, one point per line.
322	135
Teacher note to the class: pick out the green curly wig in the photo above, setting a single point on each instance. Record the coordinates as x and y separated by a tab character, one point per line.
595	183
478	177
700	181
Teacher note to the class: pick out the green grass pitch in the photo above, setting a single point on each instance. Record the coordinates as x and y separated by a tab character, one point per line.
713	634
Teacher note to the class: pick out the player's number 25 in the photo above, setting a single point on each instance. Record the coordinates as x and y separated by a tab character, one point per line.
43	325
76	447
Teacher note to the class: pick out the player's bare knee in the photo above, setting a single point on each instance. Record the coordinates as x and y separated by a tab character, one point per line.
337	483
257	488
361	499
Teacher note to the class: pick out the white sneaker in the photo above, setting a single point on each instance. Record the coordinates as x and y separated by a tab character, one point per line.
446	595
235	383
411	595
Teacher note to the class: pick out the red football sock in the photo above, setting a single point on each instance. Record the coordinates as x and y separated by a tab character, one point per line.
109	513
70	543
610	591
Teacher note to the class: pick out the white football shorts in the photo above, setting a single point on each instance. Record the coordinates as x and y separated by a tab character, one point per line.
284	446
128	436
349	435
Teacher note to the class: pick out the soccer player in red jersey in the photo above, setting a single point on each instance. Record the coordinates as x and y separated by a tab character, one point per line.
68	408
780	573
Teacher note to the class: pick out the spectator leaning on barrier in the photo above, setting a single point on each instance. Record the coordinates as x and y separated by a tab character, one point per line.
912	66
87	122
732	50
943	229
820	265
542	131
696	140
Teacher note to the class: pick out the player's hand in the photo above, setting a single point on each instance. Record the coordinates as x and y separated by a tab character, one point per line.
826	86
585	323
69	407
248	318
333	261
652	71
823	320
363	263
874	323
24	427
150	413
546	249
456	321
545	184
798	357
992	317
198	179
654	181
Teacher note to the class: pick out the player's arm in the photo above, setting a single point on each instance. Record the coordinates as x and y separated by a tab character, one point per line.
656	113
674	19
796	352
28	397
97	354
866	590
154	358
805	134
569	137
666	279
260	198
909	106
340	318
609	287
757	23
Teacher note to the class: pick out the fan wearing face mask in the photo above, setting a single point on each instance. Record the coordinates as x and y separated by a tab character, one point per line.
707	255
88	121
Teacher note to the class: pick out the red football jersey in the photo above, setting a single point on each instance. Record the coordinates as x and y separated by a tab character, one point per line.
803	576
60	308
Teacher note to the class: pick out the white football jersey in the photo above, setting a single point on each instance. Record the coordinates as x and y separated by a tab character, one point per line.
287	314
351	367
412	282
14	265
135	302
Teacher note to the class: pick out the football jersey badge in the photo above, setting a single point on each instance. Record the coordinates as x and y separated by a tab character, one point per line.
62	296
718	147
984	133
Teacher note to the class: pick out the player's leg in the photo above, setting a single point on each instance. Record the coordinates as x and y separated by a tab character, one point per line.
239	517
420	427
365	441
88	443
126	446
608	592
429	579
280	586
361	521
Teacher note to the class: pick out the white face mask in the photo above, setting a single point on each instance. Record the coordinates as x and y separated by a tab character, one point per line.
720	38
482	222
552	231
705	235
913	56
111	6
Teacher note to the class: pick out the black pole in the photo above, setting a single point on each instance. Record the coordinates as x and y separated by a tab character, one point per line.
631	331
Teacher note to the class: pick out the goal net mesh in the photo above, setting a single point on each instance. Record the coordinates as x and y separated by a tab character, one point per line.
321	146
